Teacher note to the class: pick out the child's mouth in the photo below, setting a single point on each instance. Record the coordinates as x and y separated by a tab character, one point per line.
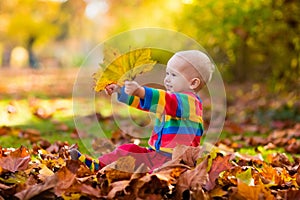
168	87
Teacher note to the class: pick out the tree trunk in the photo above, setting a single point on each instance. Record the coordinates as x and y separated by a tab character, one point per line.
33	62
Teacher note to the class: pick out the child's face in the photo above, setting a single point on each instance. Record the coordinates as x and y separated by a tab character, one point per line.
178	76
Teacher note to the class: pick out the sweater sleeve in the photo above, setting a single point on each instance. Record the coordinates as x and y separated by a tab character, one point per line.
162	102
127	99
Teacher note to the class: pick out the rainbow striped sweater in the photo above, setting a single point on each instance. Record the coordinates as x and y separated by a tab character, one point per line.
178	117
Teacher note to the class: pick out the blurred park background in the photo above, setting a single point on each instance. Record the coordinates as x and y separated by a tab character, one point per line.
254	43
249	40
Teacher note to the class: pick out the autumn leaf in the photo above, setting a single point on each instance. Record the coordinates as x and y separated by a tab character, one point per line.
117	67
122	169
246	177
186	154
298	175
217	192
219	164
247	192
193	180
65	179
118	189
153	185
32	135
35	190
44	172
16	160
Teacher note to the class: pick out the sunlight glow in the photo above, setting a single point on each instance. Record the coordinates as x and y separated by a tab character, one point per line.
187	1
58	1
96	7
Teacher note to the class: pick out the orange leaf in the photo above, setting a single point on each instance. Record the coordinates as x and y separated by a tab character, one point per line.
65	179
253	192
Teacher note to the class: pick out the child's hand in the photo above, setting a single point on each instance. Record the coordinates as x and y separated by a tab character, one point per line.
133	88
111	88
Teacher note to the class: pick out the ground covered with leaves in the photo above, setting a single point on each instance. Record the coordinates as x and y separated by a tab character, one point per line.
207	172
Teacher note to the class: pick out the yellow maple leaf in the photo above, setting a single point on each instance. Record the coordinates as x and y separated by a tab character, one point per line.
117	67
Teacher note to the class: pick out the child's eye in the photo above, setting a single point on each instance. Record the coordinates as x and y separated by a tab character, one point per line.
173	74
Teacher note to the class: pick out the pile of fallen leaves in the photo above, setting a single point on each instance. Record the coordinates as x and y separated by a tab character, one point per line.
207	172
287	139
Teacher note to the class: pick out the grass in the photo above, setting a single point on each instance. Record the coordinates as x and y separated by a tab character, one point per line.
20	116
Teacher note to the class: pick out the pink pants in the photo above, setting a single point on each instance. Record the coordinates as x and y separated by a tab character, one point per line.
151	158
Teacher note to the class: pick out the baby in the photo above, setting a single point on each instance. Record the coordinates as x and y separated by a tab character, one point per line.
178	111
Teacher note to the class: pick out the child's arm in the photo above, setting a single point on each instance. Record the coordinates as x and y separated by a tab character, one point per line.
159	101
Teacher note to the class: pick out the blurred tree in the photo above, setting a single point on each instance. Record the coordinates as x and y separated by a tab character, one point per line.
256	40
30	23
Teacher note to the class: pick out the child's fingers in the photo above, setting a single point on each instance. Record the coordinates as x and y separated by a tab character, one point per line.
109	89
107	92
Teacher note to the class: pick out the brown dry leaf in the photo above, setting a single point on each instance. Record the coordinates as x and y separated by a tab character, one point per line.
62	127
122	169
193	180
290	194
293	146
228	177
219	164
43	113
199	193
4	187
35	190
139	173
78	190
244	159
90	191
233	127
53	148
279	160
217	192
65	179
17	160
79	168
32	135
256	141
186	154
73	165
5	130
171	172
118	189
75	134
298	175
153	186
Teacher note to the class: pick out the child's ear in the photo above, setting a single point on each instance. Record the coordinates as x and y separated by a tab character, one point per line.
195	82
